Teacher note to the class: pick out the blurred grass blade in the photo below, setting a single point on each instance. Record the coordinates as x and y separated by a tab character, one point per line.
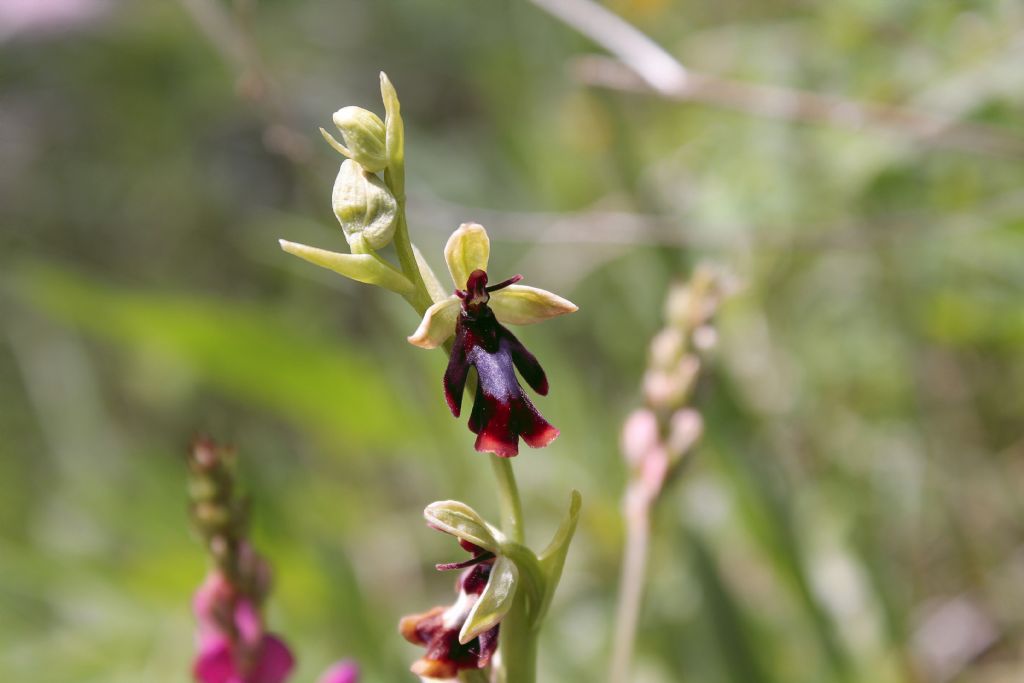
768	517
246	352
732	631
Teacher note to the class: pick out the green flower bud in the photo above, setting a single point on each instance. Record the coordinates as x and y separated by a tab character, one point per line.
364	206
364	136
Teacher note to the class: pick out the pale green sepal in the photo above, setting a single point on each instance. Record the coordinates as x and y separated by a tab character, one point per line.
437	325
494	603
368	268
462	521
468	249
522	305
364	137
338	147
552	559
395	136
434	287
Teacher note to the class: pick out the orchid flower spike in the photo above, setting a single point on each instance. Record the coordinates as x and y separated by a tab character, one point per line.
473	313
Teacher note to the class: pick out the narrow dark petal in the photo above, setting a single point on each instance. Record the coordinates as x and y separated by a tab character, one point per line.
526	363
457	372
465	563
502	285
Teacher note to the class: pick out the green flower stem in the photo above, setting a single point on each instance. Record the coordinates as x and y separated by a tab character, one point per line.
518	636
473	676
420	297
518	644
508	493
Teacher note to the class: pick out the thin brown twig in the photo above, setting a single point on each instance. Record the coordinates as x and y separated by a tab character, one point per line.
641	65
648	60
804	106
231	37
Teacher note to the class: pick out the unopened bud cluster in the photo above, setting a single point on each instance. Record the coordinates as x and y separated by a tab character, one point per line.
656	438
364	204
218	514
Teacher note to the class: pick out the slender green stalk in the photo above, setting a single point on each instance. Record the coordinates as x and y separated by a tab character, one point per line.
420	298
518	645
631	587
508	496
473	676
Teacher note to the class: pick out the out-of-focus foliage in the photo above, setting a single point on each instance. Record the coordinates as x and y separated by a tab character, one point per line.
855	511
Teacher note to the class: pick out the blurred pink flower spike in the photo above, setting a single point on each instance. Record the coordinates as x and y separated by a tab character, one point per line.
345	671
233	646
218	662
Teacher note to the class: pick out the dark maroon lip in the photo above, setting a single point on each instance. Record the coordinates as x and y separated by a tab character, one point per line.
502	412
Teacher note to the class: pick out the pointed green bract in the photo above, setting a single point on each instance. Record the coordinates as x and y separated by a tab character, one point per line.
461	521
368	268
552	560
495	602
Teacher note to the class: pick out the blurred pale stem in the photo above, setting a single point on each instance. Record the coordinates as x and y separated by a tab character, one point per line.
631	585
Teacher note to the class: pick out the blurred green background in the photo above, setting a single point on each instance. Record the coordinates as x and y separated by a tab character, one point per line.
855	512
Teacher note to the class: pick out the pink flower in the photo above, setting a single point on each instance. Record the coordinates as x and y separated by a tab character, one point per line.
233	646
218	662
345	671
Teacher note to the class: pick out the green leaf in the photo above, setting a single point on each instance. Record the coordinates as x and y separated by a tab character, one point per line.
495	602
552	559
245	351
458	519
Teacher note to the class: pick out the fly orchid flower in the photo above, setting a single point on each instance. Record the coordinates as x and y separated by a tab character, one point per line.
463	635
474	314
438	629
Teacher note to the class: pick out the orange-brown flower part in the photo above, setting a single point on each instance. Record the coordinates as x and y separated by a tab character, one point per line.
437	630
